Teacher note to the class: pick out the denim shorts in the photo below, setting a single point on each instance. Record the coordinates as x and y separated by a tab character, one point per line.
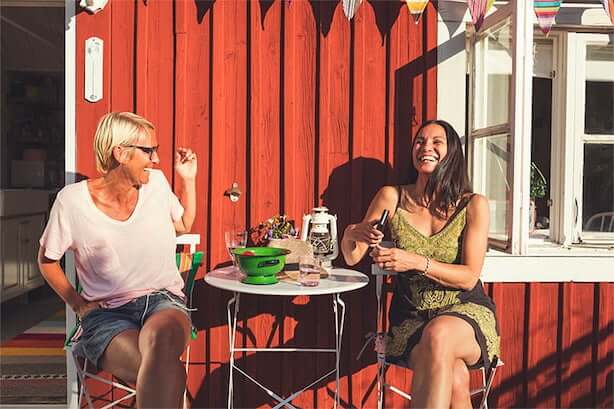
100	326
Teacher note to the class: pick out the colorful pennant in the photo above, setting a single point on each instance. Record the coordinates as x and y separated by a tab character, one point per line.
478	10
416	7
350	7
608	5
546	11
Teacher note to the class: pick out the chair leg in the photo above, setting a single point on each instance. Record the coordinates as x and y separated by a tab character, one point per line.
488	384
187	371
83	391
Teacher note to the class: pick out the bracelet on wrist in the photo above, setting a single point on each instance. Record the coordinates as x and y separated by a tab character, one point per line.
428	265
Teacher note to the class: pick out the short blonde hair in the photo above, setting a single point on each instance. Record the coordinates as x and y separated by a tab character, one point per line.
115	129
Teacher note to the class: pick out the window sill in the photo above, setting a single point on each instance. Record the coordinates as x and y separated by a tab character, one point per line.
551	263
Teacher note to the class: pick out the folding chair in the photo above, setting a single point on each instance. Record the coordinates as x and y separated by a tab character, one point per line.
186	263
382	365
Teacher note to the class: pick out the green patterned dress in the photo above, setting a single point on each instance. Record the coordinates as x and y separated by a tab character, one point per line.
417	299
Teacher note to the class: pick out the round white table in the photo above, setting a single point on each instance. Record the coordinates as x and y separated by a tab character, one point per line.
338	281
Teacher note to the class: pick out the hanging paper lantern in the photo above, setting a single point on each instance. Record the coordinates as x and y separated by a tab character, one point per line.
608	5
416	7
350	7
546	11
478	10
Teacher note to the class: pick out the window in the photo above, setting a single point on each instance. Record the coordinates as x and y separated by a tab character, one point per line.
489	142
546	167
594	138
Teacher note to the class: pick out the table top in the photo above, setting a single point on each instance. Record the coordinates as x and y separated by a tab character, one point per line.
339	280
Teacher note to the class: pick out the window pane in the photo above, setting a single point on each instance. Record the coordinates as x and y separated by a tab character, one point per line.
493	77
598	187
599	113
491	178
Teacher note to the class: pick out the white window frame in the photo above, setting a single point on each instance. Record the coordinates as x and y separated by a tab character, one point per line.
579	42
519	125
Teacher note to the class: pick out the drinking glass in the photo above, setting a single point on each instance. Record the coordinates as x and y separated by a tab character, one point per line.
235	239
309	271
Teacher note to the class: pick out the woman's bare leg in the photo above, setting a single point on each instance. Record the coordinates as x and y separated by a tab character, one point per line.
461	394
444	340
122	357
161	378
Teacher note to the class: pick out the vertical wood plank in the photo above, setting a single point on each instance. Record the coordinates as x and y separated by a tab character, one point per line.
265	163
122	57
510	300
228	159
604	366
298	167
192	129
576	354
368	174
159	78
543	344
332	154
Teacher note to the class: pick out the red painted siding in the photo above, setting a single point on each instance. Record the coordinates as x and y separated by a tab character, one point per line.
302	107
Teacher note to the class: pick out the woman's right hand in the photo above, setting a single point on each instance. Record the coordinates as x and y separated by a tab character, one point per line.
364	232
86	307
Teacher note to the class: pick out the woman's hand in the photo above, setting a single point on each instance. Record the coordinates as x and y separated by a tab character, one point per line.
185	163
83	309
395	260
364	232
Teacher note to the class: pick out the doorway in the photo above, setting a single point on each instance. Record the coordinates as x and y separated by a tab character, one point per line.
32	146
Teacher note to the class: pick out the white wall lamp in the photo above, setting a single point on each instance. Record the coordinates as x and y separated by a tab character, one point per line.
94	50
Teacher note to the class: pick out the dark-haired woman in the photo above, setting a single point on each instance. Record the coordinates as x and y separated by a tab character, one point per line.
441	321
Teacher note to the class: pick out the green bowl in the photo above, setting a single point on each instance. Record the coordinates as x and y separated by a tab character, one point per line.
260	264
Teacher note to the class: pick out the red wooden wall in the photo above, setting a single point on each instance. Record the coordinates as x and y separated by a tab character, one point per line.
302	107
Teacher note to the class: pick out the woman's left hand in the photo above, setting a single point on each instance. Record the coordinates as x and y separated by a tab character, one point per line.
185	163
394	259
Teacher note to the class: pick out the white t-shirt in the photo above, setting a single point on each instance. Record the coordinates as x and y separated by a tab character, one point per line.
117	261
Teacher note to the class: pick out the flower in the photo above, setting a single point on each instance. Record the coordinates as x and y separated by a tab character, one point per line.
277	227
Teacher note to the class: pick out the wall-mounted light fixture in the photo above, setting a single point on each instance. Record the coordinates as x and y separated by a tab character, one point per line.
94	50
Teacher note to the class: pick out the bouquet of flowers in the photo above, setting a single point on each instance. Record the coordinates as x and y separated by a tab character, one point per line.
277	227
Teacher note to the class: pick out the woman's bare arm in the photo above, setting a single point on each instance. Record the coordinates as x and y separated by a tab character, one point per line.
357	238
55	276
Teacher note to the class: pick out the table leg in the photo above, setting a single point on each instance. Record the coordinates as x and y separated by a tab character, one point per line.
339	322
232	331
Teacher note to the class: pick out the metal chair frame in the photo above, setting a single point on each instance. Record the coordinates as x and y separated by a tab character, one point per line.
82	364
383	365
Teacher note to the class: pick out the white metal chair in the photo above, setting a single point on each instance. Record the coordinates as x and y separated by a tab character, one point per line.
602	222
382	364
186	262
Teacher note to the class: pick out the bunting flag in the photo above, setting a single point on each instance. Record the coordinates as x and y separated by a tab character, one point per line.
478	10
350	7
608	5
416	7
546	11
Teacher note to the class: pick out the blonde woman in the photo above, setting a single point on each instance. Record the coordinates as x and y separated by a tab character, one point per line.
121	227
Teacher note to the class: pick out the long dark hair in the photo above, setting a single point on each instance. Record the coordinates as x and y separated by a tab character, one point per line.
449	181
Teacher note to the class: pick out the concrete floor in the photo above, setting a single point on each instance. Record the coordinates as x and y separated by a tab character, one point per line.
23	312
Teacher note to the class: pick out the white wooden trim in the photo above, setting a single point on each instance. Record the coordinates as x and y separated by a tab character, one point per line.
526	269
70	169
522	77
191	240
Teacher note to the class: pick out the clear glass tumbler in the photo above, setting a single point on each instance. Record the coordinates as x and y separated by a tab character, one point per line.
235	239
309	271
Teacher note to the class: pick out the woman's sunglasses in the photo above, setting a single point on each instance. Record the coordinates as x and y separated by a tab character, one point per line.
150	150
